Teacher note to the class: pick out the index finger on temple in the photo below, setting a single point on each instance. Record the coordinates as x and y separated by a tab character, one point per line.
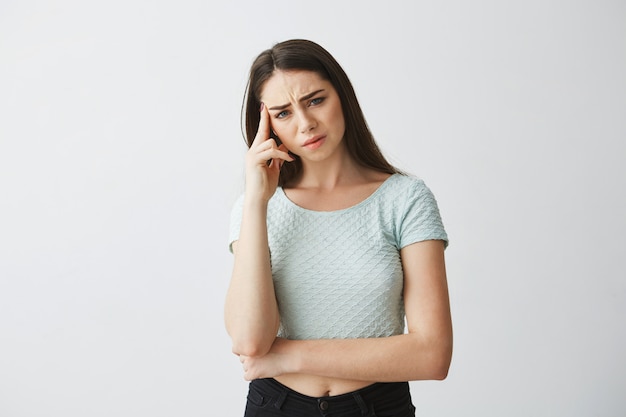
263	132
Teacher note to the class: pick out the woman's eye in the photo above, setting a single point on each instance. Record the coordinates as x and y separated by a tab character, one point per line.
282	114
317	101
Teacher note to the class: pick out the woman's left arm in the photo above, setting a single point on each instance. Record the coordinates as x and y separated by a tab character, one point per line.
423	353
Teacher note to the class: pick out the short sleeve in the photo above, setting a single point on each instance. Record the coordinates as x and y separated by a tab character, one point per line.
420	219
235	222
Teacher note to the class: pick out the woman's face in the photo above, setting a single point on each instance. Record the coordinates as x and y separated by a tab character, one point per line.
305	113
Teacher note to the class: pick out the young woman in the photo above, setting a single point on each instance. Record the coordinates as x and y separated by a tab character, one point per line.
333	249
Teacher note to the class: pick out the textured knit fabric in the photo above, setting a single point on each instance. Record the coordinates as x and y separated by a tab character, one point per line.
338	274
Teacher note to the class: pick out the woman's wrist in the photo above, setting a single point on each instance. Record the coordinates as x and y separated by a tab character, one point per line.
254	201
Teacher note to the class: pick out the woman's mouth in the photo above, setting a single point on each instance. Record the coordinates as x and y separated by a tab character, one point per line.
315	142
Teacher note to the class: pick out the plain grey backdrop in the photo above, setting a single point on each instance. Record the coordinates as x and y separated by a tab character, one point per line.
121	155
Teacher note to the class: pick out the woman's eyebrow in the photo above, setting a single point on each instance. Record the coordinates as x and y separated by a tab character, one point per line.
303	98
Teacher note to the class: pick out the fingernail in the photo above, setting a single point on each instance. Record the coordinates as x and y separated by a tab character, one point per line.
262	106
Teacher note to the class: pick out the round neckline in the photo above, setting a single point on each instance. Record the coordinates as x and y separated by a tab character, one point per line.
363	202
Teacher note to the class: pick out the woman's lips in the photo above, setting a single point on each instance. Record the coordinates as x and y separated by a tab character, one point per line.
315	142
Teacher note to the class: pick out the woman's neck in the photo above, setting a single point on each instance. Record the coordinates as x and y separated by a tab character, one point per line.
329	174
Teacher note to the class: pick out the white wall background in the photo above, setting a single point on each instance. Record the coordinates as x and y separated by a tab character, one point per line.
121	154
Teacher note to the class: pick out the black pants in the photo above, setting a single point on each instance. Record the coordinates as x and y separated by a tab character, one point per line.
269	398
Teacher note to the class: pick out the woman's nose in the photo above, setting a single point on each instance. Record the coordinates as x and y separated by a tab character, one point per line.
306	122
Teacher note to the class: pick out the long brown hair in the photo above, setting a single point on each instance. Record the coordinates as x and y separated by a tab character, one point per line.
300	54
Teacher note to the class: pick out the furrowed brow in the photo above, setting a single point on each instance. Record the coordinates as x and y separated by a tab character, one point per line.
303	98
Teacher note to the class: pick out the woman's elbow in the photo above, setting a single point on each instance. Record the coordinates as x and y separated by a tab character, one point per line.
441	364
436	370
250	340
433	363
251	348
250	343
441	372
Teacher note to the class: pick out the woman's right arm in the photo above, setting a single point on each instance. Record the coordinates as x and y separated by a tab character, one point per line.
251	313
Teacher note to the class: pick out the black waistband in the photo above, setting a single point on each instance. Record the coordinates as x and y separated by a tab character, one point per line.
359	399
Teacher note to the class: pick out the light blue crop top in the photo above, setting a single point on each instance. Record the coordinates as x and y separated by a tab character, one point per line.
338	274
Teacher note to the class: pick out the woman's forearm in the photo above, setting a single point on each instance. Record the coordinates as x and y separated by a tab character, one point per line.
251	312
404	357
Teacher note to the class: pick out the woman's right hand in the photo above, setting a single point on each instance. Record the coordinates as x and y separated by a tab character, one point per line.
261	176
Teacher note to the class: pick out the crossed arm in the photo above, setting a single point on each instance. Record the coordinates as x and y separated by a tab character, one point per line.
424	352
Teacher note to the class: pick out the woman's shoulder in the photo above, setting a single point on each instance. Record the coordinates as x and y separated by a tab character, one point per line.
402	192
402	184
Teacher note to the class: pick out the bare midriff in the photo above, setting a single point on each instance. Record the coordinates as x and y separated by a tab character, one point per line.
318	386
